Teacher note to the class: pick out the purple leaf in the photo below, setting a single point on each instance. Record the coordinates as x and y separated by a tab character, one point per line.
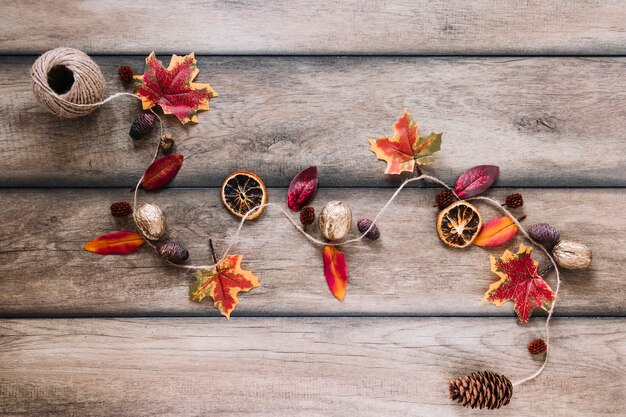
476	180
302	188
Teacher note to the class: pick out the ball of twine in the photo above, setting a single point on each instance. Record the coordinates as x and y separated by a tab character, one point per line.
67	82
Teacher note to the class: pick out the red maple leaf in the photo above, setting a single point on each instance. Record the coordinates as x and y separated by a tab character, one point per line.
172	88
223	283
520	282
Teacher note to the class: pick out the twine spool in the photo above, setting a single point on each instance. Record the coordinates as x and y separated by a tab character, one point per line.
67	82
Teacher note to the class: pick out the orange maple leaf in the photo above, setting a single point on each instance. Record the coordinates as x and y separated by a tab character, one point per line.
172	88
405	148
223	283
520	282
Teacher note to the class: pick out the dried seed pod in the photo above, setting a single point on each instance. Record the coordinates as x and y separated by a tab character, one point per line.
444	198
545	234
307	215
364	224
150	221
167	142
141	125
335	220
572	255
537	347
121	208
514	200
173	252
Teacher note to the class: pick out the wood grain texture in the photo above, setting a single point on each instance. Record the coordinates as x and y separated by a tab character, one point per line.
44	271
546	122
301	367
320	27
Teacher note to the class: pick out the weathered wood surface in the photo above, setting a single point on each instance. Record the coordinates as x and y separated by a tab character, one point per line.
319	27
301	367
45	272
546	122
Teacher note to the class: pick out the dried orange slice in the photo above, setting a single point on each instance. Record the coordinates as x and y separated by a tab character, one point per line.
242	191
459	224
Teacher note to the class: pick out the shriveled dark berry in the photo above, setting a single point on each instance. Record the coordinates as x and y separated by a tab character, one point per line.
514	200
142	124
307	215
121	208
126	73
364	224
173	252
444	198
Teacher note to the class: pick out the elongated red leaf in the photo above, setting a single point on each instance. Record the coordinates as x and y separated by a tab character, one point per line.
335	271
476	180
302	188
116	243
162	171
496	232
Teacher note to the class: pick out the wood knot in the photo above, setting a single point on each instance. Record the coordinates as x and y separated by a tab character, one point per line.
537	124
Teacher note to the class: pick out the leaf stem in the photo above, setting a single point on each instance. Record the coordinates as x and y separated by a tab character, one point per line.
212	251
546	270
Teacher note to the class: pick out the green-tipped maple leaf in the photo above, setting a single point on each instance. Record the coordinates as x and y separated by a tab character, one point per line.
172	88
520	282
405	148
223	283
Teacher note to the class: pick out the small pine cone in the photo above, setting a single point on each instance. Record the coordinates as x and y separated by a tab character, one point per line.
307	215
445	198
173	252
167	142
481	390
121	208
364	224
126	73
141	125
545	234
514	200
537	347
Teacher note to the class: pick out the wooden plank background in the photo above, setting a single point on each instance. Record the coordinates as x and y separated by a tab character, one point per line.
93	336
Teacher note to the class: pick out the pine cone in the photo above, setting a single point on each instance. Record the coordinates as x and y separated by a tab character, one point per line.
307	215
167	142
514	200
141	125
545	234
445	198
364	224
121	208
537	347
481	390
172	252
126	73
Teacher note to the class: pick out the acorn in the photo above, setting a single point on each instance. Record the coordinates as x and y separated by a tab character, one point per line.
142	124
514	200
537	347
545	234
444	198
126	73
335	220
307	215
572	255
150	221
121	208
167	142
364	224
173	252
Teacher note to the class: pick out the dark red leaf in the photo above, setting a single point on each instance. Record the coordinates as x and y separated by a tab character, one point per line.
302	188
161	171
476	180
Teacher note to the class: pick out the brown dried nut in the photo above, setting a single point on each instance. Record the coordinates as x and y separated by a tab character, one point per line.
172	251
335	220
544	234
150	221
572	255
